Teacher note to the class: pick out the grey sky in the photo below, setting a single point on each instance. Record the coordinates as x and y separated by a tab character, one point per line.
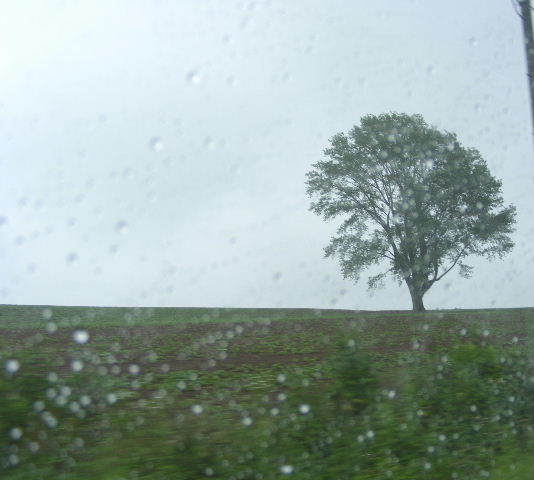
154	152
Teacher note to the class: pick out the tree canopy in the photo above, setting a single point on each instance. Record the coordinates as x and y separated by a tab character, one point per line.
412	198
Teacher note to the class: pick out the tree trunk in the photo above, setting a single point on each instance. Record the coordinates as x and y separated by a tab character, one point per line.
417	297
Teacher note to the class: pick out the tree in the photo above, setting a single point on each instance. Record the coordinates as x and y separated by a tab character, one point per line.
411	197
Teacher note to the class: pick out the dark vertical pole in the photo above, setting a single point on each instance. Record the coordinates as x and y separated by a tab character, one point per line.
526	16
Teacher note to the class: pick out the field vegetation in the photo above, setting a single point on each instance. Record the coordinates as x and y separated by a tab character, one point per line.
169	393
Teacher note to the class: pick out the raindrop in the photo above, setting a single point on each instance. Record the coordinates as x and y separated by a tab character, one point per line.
209	143
111	398
76	365
304	409
134	369
51	327
391	394
197	409
49	419
3	220
33	447
12	366
463	332
47	314
81	336
286	469
15	433
473	42
193	77
156	144
430	70
121	227
72	258
370	434
281	378
247	421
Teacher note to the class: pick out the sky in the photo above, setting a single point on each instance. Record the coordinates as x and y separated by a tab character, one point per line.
154	153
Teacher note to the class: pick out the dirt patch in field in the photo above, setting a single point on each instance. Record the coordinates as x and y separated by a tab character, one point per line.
211	345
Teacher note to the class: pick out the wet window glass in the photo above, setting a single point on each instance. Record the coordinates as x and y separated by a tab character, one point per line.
266	239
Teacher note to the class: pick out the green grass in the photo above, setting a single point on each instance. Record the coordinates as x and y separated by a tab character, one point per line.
240	364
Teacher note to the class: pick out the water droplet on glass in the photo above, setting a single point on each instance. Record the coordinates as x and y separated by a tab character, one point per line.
72	258
134	369
286	469
111	398
370	434
33	447
15	433
3	220
209	143
197	409
280	378
247	421
121	227
76	365
46	314
81	336
193	77
12	366
473	42
391	394
430	70
51	327
156	144
304	409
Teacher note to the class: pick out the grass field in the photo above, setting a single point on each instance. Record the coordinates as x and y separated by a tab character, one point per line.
120	393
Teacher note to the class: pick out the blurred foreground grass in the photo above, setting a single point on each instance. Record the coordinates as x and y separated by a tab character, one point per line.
267	393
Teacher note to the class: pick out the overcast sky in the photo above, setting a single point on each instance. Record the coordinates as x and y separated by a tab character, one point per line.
153	153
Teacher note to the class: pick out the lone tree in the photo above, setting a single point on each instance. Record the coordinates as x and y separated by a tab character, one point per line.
413	198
